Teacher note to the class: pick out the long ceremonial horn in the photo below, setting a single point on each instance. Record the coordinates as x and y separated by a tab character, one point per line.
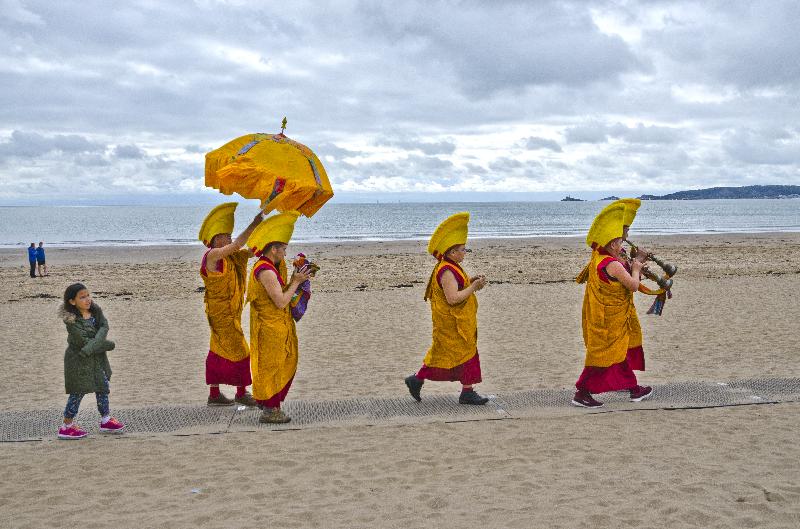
668	269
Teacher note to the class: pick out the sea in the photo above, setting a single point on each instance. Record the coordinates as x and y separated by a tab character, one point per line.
60	226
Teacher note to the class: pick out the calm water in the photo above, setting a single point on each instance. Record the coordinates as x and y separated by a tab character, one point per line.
143	225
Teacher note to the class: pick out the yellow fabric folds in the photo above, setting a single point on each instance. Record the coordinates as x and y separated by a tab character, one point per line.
277	228
610	324
631	207
607	225
282	173
273	338
224	300
598	229
455	327
452	231
219	220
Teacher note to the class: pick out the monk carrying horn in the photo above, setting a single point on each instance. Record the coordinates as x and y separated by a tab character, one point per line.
611	330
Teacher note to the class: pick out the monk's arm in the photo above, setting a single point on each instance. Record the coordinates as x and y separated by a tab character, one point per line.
618	272
220	253
241	240
452	294
278	295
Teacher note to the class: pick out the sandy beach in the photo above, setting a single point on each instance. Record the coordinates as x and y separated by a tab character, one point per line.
733	316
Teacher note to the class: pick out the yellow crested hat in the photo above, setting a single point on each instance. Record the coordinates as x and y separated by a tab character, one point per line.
277	228
631	205
607	225
219	220
452	231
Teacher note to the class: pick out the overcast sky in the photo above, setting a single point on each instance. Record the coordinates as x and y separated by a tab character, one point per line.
104	100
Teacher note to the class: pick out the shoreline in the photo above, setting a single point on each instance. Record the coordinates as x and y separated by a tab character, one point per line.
5	249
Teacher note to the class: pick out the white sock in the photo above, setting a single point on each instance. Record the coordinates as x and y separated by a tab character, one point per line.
105	419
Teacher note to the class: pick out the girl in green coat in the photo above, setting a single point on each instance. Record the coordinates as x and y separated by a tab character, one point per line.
86	367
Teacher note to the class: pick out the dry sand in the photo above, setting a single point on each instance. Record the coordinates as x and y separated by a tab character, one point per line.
734	316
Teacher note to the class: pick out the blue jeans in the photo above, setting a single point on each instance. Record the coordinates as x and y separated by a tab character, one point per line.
74	402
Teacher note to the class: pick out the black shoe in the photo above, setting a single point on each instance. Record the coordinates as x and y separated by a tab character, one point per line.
472	397
414	386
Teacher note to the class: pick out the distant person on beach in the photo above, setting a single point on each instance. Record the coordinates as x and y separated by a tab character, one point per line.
273	335
86	366
224	273
32	258
611	331
453	355
40	260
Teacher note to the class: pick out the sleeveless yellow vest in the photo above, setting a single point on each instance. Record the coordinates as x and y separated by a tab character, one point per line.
610	324
273	337
224	301
455	327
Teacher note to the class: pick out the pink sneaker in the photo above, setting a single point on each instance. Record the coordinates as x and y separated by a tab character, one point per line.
111	426
71	431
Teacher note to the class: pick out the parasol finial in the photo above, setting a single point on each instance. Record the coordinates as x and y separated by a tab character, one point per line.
283	124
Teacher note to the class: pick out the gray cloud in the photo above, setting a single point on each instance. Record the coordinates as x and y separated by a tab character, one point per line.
417	144
331	149
750	147
597	133
647	134
514	45
33	144
748	44
601	132
533	143
413	94
129	151
506	165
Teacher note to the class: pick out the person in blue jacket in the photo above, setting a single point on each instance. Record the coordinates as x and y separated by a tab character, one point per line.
32	258
40	260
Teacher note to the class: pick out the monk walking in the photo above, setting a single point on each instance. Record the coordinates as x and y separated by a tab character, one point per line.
453	355
611	331
224	271
273	336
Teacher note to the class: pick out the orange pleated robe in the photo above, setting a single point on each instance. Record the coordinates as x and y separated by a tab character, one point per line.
224	301
453	354
611	331
273	338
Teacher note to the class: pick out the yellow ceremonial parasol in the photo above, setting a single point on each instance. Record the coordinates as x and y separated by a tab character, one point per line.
282	173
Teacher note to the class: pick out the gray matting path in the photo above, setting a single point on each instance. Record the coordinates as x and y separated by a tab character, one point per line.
192	420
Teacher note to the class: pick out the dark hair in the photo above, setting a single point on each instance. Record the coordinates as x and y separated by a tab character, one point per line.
71	293
211	242
271	245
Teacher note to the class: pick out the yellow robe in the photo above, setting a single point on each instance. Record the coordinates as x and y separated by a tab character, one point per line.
224	301
610	324
273	337
455	327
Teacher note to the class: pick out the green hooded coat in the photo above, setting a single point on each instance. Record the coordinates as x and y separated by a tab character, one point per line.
86	367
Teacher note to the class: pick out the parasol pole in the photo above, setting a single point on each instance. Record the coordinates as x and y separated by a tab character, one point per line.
267	206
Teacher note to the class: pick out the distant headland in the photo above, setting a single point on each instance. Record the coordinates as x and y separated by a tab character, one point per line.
730	192
712	193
